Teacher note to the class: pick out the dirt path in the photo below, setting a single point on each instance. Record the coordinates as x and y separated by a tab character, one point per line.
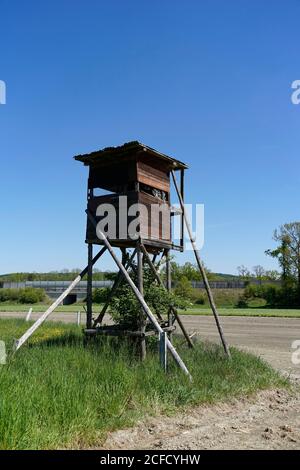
271	420
270	338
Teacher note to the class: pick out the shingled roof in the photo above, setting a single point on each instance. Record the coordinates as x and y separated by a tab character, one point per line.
126	149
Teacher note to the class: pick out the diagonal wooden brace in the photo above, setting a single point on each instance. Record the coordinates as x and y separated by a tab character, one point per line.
55	304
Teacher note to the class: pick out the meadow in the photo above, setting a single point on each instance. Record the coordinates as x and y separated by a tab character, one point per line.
225	299
58	392
191	310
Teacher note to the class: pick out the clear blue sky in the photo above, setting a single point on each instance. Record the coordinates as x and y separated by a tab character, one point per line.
208	82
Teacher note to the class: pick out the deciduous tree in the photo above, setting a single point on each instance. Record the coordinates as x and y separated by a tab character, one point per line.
288	253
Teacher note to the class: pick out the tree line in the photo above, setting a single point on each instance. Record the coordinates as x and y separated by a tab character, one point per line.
287	253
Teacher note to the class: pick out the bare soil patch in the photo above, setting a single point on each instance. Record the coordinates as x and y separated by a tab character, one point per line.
269	420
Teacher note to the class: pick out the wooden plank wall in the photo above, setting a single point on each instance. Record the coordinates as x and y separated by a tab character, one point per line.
148	227
157	178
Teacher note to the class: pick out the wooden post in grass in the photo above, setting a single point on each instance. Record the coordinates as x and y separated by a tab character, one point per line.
28	314
89	293
163	352
140	282
78	318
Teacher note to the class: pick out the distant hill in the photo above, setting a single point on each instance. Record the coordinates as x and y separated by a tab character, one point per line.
223	277
50	276
97	275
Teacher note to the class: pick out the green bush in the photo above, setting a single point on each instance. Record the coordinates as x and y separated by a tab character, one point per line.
242	302
200	300
274	296
28	295
125	308
11	295
100	295
183	289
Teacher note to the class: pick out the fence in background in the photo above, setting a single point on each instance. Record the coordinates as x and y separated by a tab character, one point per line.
54	288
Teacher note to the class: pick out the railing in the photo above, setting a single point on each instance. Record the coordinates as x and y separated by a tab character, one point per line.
58	286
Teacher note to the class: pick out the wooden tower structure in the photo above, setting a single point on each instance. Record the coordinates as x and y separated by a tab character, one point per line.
134	215
137	177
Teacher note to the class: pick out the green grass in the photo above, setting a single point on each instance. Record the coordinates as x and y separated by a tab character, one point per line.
9	307
245	312
195	310
56	392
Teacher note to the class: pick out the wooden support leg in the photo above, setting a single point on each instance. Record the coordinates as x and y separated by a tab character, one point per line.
89	294
168	271
140	298
140	280
202	270
169	285
182	216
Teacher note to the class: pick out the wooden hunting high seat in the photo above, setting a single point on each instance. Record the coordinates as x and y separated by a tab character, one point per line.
139	175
